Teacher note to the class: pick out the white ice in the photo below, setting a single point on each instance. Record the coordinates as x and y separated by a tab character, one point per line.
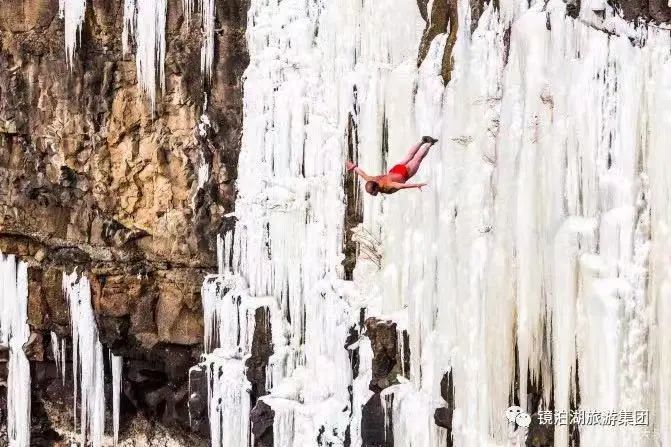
72	12
14	333
88	369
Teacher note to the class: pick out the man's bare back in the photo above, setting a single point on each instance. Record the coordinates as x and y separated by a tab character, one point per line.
397	177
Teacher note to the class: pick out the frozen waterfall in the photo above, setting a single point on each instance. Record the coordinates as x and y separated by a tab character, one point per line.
537	251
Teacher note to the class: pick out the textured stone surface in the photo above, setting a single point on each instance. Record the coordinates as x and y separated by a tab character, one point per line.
91	178
652	10
374	432
387	361
443	18
262	424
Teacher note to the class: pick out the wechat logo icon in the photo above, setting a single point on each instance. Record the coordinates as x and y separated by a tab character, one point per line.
517	415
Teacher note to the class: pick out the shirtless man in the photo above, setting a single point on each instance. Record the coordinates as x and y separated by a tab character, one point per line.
398	175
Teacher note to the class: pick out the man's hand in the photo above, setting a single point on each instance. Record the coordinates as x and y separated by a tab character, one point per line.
428	139
421	185
350	166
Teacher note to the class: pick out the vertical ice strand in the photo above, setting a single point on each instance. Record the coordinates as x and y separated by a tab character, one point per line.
150	16
72	12
14	333
117	378
208	16
87	360
128	25
229	316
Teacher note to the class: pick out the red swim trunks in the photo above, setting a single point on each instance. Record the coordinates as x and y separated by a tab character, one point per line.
400	170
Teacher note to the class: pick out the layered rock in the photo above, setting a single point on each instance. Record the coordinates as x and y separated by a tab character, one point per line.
91	178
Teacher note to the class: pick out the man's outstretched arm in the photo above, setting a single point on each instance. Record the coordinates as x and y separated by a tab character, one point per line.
352	167
407	185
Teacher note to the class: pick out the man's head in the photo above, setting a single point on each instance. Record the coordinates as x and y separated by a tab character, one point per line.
372	187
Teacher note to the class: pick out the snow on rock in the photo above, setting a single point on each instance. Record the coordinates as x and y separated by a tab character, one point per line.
14	333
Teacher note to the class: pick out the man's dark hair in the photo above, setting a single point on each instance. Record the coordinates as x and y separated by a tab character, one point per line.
372	187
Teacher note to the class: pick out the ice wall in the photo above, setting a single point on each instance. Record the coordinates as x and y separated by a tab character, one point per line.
538	251
14	333
288	239
534	236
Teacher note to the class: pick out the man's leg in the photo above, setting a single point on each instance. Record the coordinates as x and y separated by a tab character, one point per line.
411	153
413	165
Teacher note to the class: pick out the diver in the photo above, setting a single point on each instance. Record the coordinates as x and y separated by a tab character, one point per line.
397	176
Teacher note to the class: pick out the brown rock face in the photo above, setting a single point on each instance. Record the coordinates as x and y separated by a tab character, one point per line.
92	178
653	10
388	361
443	18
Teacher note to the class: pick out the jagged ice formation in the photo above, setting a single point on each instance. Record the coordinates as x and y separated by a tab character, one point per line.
14	332
88	369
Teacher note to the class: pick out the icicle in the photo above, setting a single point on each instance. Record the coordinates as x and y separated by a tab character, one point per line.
207	51
150	46
63	355
187	7
56	350
128	25
73	12
228	391
87	360
117	377
14	333
361	392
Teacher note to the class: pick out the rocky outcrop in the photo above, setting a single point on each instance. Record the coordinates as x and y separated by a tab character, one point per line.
657	11
442	18
443	415
262	417
388	360
391	359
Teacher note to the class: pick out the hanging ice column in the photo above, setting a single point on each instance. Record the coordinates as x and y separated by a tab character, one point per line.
88	370
229	326
72	12
14	333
